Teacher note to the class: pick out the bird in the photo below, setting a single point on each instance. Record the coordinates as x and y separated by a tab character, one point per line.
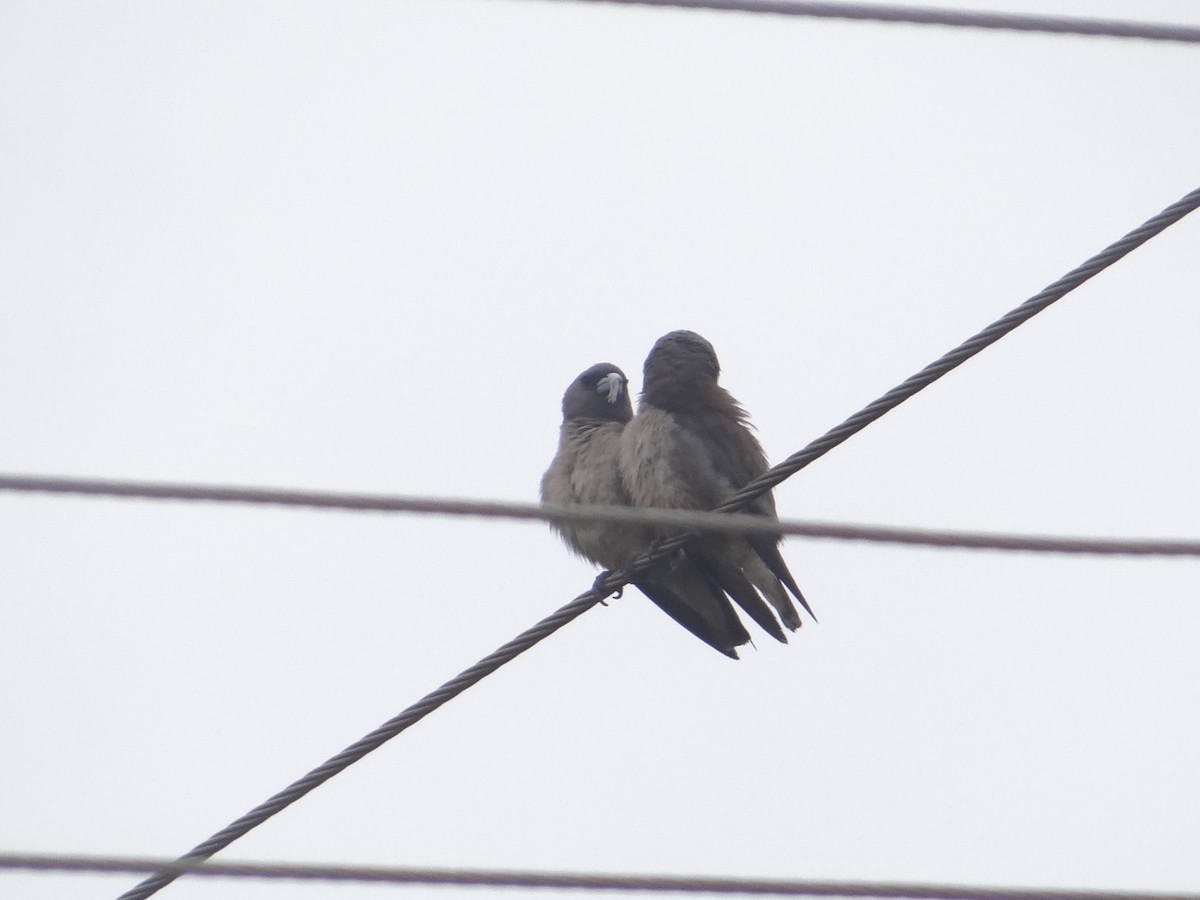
596	409
690	447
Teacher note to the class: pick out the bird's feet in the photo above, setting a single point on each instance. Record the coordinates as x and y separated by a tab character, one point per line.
602	593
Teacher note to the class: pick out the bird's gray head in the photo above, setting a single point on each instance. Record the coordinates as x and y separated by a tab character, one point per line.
601	392
681	367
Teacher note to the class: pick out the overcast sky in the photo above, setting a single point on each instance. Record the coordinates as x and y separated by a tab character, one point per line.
366	245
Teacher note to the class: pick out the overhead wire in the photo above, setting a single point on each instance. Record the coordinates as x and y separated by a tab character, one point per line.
693	520
614	581
952	18
956	357
579	881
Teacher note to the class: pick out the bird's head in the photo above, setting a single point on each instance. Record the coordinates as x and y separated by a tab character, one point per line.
681	370
600	392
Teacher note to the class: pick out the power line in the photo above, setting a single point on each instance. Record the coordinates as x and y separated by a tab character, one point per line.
956	357
954	18
693	520
615	581
586	881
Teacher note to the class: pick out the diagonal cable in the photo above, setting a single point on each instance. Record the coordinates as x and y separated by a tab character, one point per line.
956	357
952	18
615	581
365	745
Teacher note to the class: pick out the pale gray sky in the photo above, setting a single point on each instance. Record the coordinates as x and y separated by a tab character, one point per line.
365	246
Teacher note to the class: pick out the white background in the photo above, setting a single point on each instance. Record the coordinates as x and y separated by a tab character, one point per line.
365	246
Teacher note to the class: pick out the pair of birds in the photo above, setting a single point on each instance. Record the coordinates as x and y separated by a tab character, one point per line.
689	447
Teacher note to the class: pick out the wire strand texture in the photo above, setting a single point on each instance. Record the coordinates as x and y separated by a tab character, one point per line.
952	18
615	581
585	881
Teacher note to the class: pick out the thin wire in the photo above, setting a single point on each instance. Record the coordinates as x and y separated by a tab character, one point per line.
955	18
727	523
586	881
615	581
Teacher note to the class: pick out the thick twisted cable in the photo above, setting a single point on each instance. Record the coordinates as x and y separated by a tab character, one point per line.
954	18
956	357
963	352
365	745
614	581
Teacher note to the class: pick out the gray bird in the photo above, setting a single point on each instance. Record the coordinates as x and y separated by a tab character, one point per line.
596	408
690	447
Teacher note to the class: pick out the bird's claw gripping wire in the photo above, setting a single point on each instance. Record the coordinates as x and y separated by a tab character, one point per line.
601	593
628	573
